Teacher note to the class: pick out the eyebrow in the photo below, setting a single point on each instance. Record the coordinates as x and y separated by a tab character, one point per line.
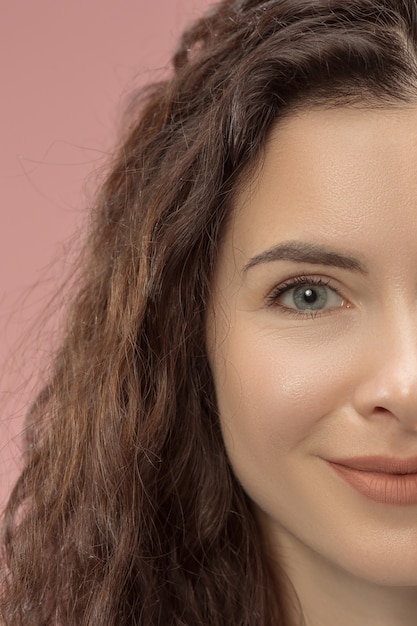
303	252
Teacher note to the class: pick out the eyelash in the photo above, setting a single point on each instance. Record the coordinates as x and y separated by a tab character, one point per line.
297	281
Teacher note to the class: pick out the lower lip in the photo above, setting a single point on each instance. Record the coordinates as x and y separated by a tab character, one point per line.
398	489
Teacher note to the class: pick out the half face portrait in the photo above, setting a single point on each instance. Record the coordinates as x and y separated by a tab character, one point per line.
313	343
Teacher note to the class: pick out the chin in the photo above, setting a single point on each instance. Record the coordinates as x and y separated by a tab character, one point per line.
386	565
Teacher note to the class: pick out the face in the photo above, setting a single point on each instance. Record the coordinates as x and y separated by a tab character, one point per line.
312	339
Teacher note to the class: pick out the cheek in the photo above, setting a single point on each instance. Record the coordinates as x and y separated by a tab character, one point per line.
274	389
278	397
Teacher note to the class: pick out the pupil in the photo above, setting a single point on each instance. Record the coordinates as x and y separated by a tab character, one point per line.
310	296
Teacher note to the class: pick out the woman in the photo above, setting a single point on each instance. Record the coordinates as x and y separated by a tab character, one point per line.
228	435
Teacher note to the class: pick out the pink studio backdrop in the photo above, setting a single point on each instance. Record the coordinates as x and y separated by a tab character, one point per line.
67	69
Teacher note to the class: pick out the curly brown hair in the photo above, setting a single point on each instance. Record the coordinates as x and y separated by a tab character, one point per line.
127	511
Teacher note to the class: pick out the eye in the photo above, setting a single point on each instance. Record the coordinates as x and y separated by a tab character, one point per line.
306	295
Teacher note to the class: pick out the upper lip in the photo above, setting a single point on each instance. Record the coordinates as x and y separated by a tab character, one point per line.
381	464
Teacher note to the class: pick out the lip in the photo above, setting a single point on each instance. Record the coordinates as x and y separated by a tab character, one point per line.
379	463
386	480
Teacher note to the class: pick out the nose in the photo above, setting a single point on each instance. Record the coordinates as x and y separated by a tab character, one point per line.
388	374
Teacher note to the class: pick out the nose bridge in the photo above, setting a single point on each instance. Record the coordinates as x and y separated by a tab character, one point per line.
399	359
390	380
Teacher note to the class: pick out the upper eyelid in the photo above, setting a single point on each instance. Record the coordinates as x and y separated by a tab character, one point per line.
299	280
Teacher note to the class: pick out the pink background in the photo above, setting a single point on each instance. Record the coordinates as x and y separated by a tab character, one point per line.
66	70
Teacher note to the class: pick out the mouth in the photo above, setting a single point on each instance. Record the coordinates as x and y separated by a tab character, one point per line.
385	480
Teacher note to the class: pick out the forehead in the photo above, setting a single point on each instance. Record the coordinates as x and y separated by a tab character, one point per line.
331	176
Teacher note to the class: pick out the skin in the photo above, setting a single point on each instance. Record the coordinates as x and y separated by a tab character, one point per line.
295	388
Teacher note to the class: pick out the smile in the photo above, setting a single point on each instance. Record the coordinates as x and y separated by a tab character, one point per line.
383	480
